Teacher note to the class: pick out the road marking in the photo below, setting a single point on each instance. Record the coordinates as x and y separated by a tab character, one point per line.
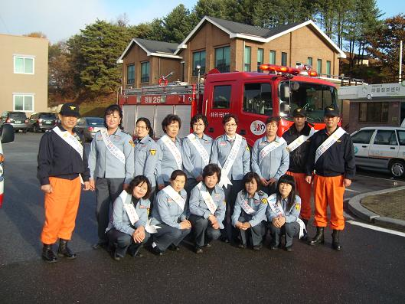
387	179
376	228
350	190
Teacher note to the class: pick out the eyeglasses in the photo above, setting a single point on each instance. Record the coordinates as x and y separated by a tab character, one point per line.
230	125
198	124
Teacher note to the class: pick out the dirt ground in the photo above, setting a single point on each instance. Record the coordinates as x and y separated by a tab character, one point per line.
388	204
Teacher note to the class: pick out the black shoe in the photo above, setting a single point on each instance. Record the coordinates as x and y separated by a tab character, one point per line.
225	239
319	237
173	247
242	246
257	247
100	244
157	251
133	250
288	249
198	250
335	240
48	255
64	251
116	257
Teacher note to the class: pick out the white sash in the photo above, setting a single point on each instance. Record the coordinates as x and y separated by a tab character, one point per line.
175	196
199	147
112	148
329	142
245	205
174	150
229	162
270	147
129	208
70	139
207	199
278	209
299	141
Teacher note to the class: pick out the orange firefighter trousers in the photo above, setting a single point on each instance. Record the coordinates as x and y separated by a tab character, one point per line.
329	191
304	191
61	209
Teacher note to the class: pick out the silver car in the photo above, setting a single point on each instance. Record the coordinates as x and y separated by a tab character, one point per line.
89	126
18	120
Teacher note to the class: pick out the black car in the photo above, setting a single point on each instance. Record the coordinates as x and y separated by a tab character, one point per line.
42	121
18	120
89	126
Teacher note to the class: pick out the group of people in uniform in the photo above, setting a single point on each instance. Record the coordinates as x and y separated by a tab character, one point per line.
206	188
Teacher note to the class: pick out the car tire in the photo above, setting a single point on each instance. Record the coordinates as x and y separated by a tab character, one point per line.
35	129
24	130
397	168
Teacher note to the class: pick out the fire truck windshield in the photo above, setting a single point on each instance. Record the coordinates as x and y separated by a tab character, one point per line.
310	96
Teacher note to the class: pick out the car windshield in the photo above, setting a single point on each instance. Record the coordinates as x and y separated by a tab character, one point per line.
95	122
310	96
17	116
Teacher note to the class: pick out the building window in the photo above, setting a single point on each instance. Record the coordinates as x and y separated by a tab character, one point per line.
309	61
23	65
145	71
260	55
198	59
373	112
223	59
131	74
284	59
257	99
247	58
222	97
328	68
319	66
272	57
23	102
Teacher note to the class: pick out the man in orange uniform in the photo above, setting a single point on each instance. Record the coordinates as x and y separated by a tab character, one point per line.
298	138
62	165
331	156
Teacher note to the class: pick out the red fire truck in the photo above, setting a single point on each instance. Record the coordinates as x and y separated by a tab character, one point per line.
252	96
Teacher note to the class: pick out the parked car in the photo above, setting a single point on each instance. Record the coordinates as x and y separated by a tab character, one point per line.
41	121
89	126
7	135
18	120
381	148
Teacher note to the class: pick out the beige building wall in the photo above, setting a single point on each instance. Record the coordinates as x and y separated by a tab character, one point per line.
12	84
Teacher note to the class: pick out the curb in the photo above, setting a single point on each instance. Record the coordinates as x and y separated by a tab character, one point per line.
363	213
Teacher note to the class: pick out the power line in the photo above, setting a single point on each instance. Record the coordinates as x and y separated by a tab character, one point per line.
4	24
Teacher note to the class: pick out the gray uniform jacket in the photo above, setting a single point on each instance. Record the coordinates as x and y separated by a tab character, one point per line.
258	204
200	208
166	161
290	215
103	164
192	161
220	152
275	164
119	219
167	211
146	158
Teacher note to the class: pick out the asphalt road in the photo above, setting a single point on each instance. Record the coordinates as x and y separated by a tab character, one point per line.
369	269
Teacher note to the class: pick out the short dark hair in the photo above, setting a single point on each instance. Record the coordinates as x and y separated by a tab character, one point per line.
287	179
148	125
275	119
139	180
110	110
210	170
169	119
177	173
228	117
197	117
250	176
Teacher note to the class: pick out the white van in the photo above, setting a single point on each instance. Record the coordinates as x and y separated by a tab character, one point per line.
380	148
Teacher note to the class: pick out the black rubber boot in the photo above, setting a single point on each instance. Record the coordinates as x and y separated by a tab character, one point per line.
335	240
319	237
64	251
48	255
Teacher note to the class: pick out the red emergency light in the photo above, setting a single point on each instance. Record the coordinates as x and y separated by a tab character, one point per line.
284	69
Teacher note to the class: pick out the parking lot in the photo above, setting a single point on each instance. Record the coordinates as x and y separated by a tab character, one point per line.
369	269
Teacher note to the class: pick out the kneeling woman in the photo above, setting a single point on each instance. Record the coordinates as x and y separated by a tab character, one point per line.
169	214
283	213
126	230
250	211
207	207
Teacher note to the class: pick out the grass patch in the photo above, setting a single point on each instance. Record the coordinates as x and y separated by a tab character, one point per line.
388	204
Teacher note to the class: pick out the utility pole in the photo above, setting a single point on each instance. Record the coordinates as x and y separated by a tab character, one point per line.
400	62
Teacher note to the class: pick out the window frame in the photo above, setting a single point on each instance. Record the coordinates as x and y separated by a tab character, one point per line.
227	66
319	66
273	52
128	66
364	112
247	59
371	132
260	55
228	101
24	57
145	79
256	105
32	95
284	59
194	66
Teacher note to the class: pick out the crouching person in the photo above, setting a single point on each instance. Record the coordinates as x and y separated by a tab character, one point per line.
126	230
169	214
207	208
283	213
249	212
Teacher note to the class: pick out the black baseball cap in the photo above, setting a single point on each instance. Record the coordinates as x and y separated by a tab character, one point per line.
331	111
299	112
70	109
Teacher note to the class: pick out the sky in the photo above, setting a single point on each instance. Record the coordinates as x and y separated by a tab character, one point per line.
60	19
